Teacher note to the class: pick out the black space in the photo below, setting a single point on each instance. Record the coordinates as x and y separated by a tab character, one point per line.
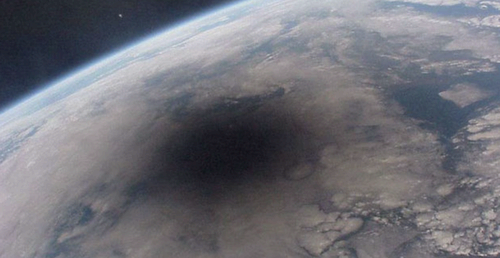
43	40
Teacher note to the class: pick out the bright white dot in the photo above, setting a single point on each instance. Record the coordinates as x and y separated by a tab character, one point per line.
120	15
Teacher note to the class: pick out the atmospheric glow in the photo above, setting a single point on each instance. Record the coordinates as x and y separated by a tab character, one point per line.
15	110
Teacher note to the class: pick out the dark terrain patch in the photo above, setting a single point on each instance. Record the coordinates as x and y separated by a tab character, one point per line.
424	103
15	140
77	215
420	99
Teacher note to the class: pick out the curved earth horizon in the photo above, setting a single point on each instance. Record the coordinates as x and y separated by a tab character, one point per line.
363	129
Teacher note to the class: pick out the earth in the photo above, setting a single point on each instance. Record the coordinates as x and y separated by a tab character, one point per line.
268	129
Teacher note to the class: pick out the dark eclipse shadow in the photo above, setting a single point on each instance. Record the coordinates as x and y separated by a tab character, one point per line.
230	147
